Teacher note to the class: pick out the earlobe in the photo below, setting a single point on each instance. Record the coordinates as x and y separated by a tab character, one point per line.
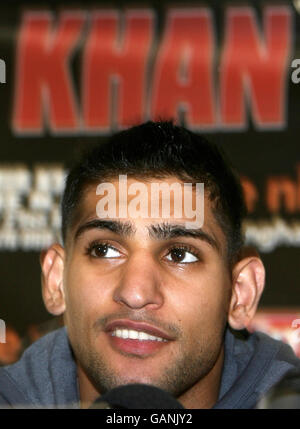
52	263
248	285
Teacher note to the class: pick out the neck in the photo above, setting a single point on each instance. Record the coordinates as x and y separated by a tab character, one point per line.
87	392
204	394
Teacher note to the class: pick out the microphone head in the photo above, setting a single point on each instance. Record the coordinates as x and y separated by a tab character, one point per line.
137	396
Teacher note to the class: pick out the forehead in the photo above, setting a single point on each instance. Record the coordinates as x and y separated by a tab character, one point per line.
134	193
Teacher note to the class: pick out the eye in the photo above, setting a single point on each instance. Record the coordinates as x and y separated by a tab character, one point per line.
181	255
103	251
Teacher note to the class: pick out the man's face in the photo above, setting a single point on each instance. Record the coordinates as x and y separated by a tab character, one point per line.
144	303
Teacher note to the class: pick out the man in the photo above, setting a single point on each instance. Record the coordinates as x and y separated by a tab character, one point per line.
151	290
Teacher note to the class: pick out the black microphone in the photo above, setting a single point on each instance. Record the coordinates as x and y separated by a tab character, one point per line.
284	395
136	396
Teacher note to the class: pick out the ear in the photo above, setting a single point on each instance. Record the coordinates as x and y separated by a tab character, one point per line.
52	263
248	285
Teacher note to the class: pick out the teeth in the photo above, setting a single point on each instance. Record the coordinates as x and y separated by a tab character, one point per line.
135	335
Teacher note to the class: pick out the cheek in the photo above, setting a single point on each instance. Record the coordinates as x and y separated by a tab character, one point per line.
84	296
201	304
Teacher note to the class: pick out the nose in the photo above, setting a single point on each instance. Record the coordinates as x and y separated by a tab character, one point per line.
140	284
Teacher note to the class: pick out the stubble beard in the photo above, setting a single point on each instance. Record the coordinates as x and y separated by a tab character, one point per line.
185	370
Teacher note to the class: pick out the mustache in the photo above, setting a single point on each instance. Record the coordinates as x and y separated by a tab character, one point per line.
170	328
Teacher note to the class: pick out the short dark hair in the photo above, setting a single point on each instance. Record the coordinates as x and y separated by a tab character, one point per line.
159	150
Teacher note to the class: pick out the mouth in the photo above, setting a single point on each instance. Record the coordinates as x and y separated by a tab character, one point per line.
136	338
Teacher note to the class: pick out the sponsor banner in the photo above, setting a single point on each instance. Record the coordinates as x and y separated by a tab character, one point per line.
138	82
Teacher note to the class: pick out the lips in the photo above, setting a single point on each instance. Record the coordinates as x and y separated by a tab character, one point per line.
136	338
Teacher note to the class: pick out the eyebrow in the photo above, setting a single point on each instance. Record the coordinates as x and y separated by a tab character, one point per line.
125	229
167	231
160	231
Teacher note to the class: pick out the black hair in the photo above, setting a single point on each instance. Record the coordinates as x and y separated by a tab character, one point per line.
159	150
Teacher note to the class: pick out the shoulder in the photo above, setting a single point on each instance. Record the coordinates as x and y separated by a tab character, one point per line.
254	362
33	379
279	350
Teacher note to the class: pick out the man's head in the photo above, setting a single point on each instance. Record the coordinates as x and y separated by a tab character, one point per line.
171	289
156	151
